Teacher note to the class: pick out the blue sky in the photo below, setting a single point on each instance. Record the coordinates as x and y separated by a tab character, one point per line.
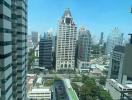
96	15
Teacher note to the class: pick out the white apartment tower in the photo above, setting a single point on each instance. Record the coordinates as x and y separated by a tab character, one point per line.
13	49
66	42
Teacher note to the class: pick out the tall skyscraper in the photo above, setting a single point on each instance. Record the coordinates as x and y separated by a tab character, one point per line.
114	38
45	51
54	50
35	38
116	63
101	39
13	49
127	64
66	42
84	47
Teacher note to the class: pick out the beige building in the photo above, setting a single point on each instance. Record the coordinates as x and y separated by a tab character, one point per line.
66	42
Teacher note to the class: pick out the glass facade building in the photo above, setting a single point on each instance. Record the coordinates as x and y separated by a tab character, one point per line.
45	51
114	38
13	49
84	48
116	63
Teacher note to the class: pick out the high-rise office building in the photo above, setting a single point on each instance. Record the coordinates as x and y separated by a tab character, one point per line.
101	39
114	38
13	49
35	38
127	63
54	50
116	63
66	42
45	51
84	47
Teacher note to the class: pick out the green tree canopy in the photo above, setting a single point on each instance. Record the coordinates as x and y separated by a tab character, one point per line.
102	80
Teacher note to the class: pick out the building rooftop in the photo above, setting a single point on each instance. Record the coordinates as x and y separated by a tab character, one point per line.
39	81
71	93
30	81
129	85
115	89
31	75
67	13
38	90
40	94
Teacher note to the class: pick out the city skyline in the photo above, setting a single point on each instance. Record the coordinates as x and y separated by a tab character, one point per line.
96	16
65	63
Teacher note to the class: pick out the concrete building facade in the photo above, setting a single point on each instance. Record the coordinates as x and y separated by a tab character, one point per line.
116	63
66	42
127	63
13	49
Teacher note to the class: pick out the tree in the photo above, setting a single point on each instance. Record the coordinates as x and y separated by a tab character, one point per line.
90	91
84	78
77	78
48	82
102	80
75	87
104	95
56	78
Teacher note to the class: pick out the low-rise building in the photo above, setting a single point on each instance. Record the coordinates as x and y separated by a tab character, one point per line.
40	94
83	66
119	91
31	78
70	91
96	72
